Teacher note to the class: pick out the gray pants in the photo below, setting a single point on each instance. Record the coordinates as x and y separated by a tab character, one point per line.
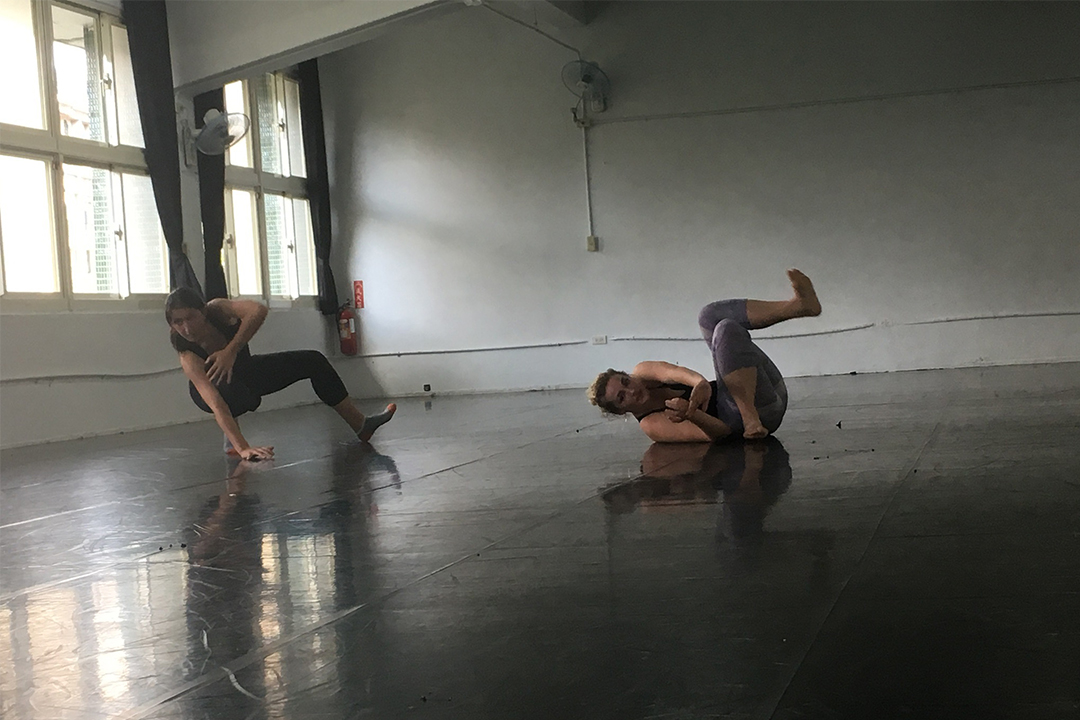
725	328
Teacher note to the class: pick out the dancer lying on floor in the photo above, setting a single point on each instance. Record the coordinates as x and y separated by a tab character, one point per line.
228	381
676	404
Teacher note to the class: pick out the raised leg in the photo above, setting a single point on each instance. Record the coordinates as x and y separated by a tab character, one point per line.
804	303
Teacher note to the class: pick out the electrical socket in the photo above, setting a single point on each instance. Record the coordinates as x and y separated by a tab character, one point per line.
599	340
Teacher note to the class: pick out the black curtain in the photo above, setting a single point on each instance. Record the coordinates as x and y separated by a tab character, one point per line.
212	200
318	181
151	64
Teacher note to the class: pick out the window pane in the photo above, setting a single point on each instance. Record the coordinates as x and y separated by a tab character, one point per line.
245	251
305	248
269	128
91	232
127	106
146	253
278	244
77	58
22	86
26	224
293	128
235	102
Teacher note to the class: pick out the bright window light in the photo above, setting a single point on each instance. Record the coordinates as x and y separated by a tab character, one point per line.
77	60
125	120
26	226
244	251
92	235
147	254
305	248
240	153
22	86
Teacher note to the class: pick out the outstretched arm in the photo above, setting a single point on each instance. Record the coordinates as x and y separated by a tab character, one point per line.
250	316
196	373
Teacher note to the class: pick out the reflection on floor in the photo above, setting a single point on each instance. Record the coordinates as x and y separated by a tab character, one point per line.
519	556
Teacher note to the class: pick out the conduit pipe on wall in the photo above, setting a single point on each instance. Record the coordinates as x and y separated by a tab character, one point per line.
584	125
834	101
566	343
837	331
403	353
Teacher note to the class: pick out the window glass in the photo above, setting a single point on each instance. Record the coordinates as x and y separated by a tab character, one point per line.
270	124
235	102
278	244
146	250
244	255
127	124
77	61
22	87
26	226
91	232
305	248
295	139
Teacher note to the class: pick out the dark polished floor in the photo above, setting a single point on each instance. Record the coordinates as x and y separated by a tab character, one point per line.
908	546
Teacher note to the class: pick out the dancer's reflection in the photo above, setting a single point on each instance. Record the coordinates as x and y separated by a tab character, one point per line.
360	474
359	470
224	579
751	476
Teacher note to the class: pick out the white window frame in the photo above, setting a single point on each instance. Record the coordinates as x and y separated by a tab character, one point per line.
52	146
259	181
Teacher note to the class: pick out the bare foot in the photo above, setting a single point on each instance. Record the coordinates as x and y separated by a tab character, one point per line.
754	431
805	296
374	422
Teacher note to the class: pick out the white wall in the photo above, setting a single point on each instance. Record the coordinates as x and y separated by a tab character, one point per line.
459	199
459	191
213	40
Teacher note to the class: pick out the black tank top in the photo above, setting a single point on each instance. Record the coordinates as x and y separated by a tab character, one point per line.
222	325
684	393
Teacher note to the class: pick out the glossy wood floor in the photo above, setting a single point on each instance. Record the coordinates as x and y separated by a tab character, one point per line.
907	546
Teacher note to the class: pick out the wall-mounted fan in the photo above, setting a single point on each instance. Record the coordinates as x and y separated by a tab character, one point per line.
586	80
221	131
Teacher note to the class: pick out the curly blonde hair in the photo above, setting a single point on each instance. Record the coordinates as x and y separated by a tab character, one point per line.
596	391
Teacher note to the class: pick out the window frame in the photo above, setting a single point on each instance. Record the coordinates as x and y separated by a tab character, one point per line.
257	180
49	144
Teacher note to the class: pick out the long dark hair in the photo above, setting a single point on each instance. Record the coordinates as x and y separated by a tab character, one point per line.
182	299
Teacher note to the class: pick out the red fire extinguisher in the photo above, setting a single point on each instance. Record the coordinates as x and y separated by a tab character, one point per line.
347	330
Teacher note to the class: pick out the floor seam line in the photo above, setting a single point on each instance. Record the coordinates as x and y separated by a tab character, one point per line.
843	587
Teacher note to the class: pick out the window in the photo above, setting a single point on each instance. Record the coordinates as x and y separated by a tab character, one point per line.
269	249
77	211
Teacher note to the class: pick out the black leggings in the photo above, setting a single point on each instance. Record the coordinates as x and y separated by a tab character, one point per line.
260	375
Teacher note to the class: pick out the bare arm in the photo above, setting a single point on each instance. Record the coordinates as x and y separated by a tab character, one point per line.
193	367
700	428
250	316
661	371
249	313
667	372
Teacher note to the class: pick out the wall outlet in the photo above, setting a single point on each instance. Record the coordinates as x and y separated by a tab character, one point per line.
592	243
427	388
599	340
